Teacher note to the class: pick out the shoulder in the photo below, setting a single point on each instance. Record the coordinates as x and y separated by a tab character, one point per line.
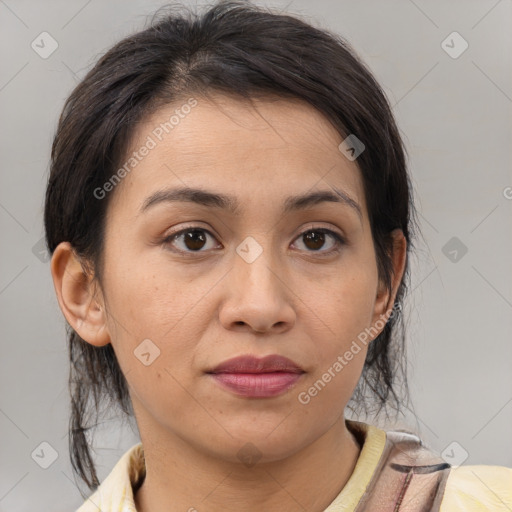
478	488
116	491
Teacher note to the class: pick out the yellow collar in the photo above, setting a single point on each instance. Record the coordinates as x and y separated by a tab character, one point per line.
116	493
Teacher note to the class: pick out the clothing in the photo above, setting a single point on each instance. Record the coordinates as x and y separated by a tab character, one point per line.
395	472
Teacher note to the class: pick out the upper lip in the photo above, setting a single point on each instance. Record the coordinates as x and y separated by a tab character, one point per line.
252	364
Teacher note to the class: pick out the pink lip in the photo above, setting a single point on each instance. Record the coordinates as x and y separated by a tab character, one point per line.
249	376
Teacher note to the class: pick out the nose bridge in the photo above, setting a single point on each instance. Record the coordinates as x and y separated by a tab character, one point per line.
256	267
257	293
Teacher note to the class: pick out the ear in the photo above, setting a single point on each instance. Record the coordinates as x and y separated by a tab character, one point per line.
385	299
79	297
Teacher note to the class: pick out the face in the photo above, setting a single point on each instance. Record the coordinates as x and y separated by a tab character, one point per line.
190	282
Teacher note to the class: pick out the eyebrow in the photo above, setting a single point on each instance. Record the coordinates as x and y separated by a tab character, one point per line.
231	204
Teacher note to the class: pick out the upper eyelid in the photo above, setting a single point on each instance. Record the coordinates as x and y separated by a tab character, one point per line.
208	230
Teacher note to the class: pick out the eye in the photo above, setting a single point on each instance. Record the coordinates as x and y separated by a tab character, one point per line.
191	239
314	239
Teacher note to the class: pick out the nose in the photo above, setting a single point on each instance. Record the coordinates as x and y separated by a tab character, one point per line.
258	297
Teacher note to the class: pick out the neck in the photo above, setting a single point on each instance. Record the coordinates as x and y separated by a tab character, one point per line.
179	477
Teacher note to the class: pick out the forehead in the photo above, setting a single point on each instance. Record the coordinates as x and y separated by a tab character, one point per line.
274	146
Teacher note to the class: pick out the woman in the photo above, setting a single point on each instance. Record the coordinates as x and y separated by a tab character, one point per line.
230	220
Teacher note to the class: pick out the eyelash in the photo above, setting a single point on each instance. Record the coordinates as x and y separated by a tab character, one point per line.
339	240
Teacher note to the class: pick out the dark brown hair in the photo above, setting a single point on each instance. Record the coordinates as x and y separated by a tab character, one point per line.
244	51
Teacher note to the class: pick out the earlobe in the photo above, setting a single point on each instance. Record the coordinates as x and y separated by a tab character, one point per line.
77	296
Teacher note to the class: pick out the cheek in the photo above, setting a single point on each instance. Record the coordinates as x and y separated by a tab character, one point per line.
146	299
345	308
340	351
348	300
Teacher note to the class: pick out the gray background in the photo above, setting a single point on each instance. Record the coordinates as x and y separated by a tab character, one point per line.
455	114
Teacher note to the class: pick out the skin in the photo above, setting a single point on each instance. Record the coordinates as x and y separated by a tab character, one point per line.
300	299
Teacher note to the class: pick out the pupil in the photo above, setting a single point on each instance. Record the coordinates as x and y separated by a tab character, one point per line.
317	238
192	239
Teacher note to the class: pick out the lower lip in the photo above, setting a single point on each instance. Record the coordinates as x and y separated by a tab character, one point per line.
257	385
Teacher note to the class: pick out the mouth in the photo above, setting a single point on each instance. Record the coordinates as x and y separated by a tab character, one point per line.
253	377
